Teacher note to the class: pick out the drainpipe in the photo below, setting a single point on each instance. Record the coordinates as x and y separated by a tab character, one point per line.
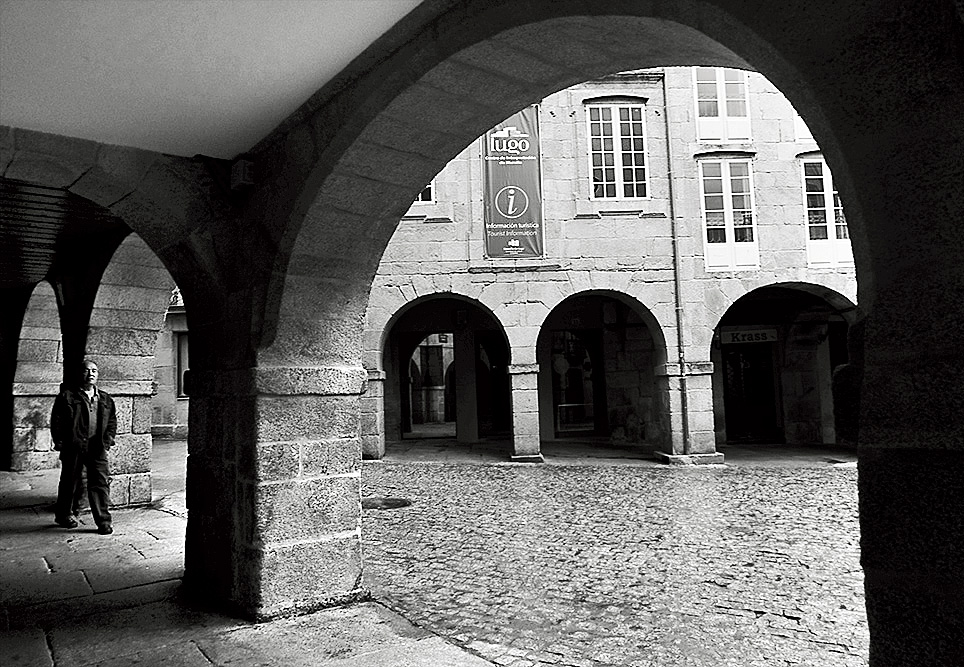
677	281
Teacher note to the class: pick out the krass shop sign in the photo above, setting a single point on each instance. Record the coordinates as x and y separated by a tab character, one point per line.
729	336
513	187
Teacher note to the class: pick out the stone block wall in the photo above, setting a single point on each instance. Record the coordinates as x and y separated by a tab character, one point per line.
128	313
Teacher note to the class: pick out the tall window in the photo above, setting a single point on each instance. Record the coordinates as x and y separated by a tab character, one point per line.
427	194
722	107
181	362
828	240
617	151
730	227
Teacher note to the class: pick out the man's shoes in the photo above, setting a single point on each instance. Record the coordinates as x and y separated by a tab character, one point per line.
66	522
105	529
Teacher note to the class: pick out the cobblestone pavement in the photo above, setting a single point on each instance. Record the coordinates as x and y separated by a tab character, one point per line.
531	565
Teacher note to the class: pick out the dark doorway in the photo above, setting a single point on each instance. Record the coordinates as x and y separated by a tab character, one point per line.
750	393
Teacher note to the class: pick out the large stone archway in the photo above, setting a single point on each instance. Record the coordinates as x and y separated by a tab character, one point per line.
878	91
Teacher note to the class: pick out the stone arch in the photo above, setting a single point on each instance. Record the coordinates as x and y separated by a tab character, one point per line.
835	290
624	347
882	90
477	335
176	205
774	352
406	124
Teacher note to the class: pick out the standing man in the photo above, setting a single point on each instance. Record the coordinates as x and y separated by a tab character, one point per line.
83	425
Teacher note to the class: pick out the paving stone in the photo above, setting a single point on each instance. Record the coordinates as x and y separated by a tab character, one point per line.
624	565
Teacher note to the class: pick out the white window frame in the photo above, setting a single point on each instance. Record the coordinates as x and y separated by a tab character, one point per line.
831	247
618	150
718	200
430	188
719	118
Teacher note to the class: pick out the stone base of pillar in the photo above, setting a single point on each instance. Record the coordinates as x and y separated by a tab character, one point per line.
527	458
715	458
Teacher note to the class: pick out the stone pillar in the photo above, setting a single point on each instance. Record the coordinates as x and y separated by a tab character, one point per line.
687	408
373	416
39	371
467	406
274	488
547	418
526	444
828	435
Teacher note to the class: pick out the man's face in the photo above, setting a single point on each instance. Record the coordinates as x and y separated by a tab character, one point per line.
90	374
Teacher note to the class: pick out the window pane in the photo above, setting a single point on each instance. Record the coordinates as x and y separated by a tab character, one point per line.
624	113
812	169
711	169
817	217
715	219
743	234
713	202
739	169
708	109
815	200
716	235
818	233
741	202
843	232
593	114
736	108
705	74
712	186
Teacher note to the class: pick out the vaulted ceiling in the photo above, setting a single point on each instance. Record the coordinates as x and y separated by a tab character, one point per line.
177	76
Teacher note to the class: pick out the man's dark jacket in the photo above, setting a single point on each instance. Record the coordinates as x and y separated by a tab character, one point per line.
70	419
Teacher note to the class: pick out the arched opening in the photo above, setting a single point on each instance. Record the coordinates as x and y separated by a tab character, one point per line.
446	365
597	357
775	351
36	382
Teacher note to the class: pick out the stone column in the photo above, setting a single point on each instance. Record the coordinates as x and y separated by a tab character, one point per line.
274	488
467	406
526	444
373	416
687	411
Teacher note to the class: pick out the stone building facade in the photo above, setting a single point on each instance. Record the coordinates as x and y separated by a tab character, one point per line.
709	305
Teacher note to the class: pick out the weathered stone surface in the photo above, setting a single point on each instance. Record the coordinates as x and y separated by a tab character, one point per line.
306	417
131	453
309	575
305	509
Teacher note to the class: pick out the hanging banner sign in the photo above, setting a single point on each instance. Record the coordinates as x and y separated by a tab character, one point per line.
512	188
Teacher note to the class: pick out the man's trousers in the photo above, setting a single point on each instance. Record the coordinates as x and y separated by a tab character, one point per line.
70	491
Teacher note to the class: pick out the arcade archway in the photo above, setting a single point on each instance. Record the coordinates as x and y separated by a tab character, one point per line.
774	354
446	360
